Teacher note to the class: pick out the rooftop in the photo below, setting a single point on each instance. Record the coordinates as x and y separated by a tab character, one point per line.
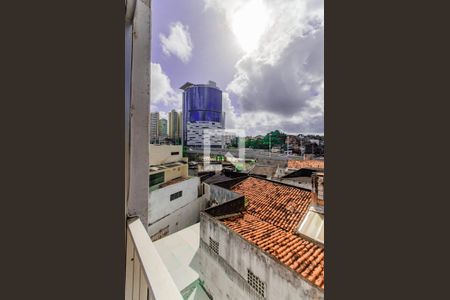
270	220
154	168
188	85
173	181
217	178
179	251
300	164
267	171
304	172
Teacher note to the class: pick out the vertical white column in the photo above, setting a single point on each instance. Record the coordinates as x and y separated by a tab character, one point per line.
140	111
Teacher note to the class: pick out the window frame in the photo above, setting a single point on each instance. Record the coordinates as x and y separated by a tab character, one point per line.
176	195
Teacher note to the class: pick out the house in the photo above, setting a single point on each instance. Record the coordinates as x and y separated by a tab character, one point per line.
308	163
174	198
266	171
264	240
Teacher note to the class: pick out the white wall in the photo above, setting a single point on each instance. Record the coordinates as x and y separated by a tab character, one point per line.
159	204
179	213
161	154
195	133
180	219
225	276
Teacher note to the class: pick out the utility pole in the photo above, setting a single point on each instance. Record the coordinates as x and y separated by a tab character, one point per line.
270	145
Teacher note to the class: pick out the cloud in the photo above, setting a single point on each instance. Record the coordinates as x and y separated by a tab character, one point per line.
280	84
231	120
256	123
161	89
178	42
164	115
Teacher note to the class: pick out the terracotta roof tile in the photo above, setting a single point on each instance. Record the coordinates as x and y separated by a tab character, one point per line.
273	213
300	164
277	204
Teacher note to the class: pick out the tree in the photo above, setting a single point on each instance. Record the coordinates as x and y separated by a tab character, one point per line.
271	139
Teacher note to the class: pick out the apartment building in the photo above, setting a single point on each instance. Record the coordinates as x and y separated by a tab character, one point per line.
175	126
154	127
174	201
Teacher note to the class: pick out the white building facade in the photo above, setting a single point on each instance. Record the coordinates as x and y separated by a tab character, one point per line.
196	134
233	268
174	207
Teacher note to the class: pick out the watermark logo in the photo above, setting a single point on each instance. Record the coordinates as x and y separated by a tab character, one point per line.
219	139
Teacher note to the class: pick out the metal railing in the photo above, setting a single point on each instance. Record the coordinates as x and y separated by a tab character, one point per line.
147	278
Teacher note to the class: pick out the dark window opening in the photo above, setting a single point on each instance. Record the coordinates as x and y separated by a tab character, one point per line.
176	195
174	153
156	178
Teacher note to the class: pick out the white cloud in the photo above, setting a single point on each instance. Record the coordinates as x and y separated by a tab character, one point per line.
178	42
231	119
279	84
164	115
161	90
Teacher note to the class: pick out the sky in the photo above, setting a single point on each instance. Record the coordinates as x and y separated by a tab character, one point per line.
265	55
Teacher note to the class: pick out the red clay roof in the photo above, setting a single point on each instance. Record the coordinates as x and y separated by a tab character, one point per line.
300	164
273	213
278	204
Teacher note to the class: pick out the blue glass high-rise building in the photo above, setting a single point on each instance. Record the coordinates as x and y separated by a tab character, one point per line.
202	109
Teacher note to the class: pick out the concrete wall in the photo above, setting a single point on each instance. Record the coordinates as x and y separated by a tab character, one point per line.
161	154
281	162
179	219
159	204
225	274
305	185
219	194
209	167
220	280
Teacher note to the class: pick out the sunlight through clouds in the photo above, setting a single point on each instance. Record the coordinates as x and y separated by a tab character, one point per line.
279	80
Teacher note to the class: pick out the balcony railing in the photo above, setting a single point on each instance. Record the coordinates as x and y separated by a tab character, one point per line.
147	278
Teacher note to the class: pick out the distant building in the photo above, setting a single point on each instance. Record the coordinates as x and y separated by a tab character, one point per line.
300	172
174	201
301	178
163	128
210	167
266	171
202	109
175	125
315	141
180	126
313	144
293	143
262	240
228	138
301	164
154	127
275	149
